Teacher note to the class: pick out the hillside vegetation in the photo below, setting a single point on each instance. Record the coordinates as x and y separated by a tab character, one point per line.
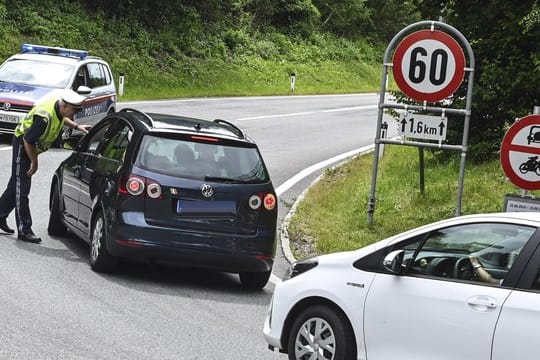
184	48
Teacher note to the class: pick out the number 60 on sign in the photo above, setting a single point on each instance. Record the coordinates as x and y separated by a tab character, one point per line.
428	65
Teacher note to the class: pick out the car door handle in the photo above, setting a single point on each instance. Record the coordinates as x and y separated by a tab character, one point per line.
482	303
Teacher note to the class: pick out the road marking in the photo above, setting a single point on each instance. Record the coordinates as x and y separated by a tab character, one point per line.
121	103
308	171
349	108
311	169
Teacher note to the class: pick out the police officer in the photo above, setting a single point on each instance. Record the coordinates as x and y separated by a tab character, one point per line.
35	134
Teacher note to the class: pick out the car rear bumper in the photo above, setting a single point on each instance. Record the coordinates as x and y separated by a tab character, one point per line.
224	252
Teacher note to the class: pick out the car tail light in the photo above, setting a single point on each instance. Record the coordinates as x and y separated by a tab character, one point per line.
204	138
268	199
255	202
153	190
136	185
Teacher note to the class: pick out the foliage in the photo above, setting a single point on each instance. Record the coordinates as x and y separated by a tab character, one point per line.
190	48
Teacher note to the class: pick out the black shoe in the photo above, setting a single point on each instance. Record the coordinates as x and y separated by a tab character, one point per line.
5	228
29	238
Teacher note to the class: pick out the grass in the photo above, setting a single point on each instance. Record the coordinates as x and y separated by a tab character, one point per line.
333	214
217	78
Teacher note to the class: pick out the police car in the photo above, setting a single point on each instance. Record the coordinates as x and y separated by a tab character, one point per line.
39	72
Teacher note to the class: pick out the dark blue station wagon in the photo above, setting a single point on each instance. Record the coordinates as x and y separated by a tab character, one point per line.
158	187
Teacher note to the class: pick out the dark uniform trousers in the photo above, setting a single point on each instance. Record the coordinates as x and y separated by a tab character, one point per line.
16	194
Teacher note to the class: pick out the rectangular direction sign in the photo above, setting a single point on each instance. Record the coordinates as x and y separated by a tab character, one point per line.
425	127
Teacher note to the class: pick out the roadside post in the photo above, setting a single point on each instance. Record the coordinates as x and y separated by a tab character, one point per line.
293	81
520	153
428	65
121	85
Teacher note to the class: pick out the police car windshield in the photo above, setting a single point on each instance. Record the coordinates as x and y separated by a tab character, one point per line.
36	73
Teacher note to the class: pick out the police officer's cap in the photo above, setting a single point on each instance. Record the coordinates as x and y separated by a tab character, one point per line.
72	98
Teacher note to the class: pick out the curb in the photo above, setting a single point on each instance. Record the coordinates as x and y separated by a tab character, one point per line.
284	233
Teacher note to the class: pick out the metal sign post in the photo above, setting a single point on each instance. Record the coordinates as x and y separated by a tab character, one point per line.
428	66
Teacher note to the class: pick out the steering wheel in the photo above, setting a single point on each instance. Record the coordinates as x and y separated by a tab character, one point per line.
463	268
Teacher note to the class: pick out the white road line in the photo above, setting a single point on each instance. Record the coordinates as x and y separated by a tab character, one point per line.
240	98
276	116
310	170
349	108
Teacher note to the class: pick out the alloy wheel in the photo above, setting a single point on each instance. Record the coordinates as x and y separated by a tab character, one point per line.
97	235
315	340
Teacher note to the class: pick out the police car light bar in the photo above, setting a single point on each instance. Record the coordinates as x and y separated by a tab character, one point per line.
40	49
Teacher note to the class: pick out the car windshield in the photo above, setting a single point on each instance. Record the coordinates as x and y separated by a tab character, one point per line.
205	161
36	73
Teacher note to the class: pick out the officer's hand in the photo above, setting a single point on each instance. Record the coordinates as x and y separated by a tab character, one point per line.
33	168
85	128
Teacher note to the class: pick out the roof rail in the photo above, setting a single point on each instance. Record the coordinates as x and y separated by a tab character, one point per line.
235	128
144	116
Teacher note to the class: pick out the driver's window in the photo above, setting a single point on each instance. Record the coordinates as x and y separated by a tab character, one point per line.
96	138
464	252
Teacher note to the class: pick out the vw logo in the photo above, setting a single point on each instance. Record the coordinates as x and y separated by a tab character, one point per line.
7	106
207	190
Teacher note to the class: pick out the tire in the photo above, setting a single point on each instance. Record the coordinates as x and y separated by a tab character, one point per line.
523	168
100	259
56	225
334	342
254	280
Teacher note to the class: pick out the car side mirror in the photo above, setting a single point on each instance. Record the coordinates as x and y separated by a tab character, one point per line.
84	90
393	262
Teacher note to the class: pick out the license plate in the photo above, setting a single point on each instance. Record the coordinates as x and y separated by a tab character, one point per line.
193	207
10	118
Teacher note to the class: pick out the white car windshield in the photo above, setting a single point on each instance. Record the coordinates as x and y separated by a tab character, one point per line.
36	73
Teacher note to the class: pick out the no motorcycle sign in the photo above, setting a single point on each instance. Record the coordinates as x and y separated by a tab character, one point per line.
520	152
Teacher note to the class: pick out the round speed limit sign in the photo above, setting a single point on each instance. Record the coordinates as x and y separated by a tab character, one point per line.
428	65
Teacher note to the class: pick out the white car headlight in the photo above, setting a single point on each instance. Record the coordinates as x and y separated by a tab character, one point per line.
300	267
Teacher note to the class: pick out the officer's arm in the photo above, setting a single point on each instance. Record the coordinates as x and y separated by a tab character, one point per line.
29	140
32	155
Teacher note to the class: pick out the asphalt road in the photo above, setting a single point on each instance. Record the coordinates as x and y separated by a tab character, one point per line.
52	306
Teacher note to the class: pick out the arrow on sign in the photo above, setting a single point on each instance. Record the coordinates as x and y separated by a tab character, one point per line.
441	128
403	124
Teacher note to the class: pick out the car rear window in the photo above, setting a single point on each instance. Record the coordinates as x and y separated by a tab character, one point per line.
210	161
36	73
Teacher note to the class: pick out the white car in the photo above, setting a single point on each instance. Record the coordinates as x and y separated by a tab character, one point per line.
463	288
